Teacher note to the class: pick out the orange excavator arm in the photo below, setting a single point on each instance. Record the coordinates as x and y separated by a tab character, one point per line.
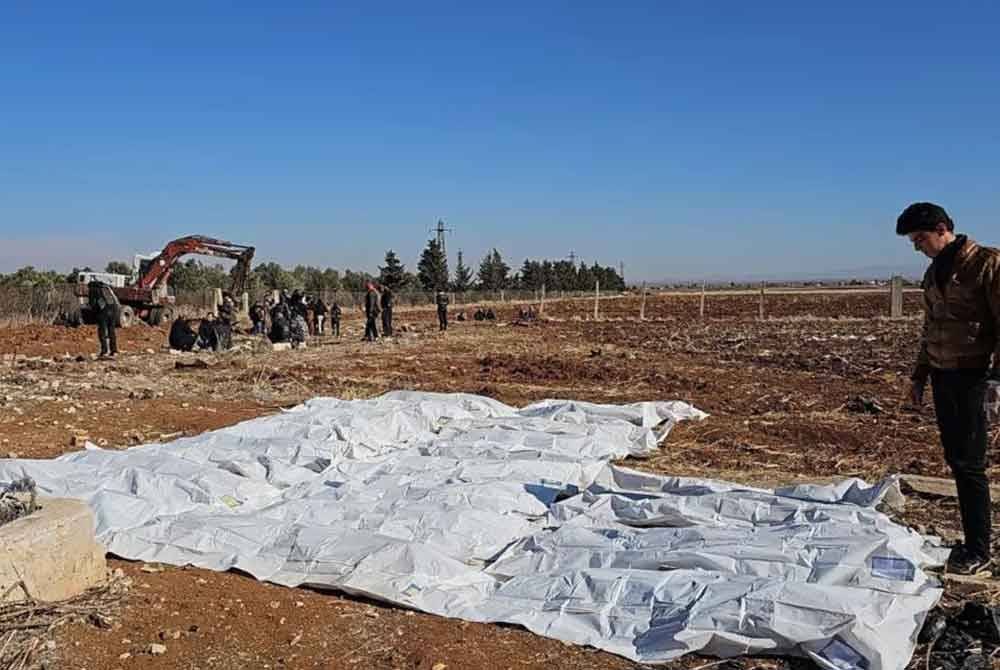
160	268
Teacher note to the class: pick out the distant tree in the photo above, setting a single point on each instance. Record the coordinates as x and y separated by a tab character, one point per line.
493	272
531	275
272	276
432	269
585	277
118	268
28	277
393	273
192	275
463	276
355	281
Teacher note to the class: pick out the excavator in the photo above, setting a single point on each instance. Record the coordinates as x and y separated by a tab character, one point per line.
146	297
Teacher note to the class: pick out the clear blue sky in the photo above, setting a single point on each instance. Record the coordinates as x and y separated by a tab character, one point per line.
688	139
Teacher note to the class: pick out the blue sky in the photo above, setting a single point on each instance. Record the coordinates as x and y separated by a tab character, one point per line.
687	139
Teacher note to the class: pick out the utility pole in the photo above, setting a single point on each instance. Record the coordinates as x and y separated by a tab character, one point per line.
621	271
441	230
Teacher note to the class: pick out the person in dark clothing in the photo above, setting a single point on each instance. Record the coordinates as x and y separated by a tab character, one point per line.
490	315
208	338
182	335
320	311
227	310
441	300
258	316
386	304
281	319
372	308
104	304
335	319
480	314
959	339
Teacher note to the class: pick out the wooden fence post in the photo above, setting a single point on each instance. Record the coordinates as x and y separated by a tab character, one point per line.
541	306
702	308
642	305
597	298
761	301
896	297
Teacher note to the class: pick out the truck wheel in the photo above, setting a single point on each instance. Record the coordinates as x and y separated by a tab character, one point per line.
126	315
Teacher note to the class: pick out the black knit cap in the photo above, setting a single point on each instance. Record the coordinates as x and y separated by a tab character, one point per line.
922	216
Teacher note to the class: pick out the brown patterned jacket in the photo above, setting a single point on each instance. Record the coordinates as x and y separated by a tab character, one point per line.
962	318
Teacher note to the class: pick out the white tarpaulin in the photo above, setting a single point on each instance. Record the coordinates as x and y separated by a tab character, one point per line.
465	507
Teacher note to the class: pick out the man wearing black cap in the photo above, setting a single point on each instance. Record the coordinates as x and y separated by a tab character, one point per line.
960	337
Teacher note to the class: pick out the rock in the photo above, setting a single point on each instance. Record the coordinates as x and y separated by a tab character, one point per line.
13	454
78	441
125	656
157	649
439	666
275	604
151	568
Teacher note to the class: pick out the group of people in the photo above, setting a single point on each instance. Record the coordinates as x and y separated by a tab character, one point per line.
293	317
214	333
479	315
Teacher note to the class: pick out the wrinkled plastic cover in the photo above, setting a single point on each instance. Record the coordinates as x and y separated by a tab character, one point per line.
462	506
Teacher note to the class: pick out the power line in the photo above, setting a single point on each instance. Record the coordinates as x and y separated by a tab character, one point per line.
441	230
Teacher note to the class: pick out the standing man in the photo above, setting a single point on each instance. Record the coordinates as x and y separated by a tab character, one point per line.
387	300
372	302
335	319
442	308
104	304
960	336
319	313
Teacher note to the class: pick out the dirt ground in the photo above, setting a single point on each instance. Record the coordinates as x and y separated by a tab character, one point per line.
813	391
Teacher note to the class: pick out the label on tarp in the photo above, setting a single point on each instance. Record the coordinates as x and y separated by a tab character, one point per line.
890	567
843	656
230	501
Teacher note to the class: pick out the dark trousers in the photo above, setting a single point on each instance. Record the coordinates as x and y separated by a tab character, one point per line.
442	319
371	331
387	322
335	327
958	402
107	322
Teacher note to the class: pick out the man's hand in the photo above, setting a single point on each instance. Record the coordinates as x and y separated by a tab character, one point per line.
915	396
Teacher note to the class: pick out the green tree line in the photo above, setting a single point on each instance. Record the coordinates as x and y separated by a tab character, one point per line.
432	274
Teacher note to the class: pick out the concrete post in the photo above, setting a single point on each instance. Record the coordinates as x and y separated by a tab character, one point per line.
642	305
541	305
702	308
597	298
761	315
896	297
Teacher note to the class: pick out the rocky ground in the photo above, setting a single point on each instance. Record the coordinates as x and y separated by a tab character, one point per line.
813	391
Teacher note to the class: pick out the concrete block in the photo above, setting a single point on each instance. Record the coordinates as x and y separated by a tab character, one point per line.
53	551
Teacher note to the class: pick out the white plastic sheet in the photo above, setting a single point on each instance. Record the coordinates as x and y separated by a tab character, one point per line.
463	506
